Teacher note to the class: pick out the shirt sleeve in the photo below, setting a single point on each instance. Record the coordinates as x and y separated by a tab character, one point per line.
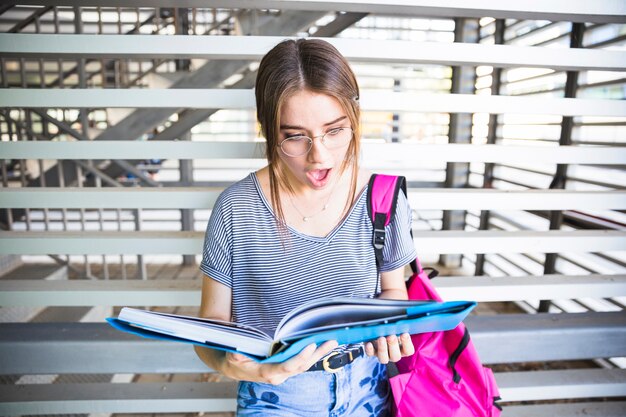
399	249
217	252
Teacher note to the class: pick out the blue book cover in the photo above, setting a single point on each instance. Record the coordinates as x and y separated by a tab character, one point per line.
346	320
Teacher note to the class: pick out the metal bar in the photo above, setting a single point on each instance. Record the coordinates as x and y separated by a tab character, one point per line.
204	198
79	181
560	177
371	100
254	48
570	178
374	154
97	173
42	184
84	123
588	409
200	397
562	384
188	243
136	172
5	8
614	82
607	42
8	217
122	260
177	293
607	11
64	127
187	215
3	72
23	129
460	128
511	32
496	83
141	265
61	179
107	398
30	19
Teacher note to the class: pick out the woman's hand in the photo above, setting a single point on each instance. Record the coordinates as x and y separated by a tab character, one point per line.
241	367
391	348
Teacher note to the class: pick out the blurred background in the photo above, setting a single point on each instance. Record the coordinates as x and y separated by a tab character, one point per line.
120	123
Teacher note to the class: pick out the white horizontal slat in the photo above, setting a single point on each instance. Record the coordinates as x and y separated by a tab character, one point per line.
547	287
606	11
468	103
125	149
254	47
577	409
131	98
490	199
204	198
107	398
190	397
401	155
100	292
562	384
33	293
438	242
385	101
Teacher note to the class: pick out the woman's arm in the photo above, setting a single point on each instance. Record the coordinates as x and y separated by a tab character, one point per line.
216	303
392	285
391	348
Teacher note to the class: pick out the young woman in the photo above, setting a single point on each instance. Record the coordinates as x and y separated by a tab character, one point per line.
298	230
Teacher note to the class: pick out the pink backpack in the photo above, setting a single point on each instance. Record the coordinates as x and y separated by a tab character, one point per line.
445	376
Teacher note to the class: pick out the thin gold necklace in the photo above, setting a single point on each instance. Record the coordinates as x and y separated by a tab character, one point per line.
324	208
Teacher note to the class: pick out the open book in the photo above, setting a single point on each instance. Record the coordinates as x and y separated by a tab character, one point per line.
347	320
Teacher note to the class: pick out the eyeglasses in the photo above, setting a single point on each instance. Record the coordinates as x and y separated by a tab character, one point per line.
301	145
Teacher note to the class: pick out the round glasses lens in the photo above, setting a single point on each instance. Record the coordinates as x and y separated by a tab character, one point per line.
296	146
337	138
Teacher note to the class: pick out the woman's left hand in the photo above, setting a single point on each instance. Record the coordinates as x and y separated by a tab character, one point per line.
391	348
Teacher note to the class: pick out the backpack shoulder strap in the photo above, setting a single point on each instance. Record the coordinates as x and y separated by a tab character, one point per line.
382	197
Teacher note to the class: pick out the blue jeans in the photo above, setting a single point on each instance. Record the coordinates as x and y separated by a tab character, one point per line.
358	389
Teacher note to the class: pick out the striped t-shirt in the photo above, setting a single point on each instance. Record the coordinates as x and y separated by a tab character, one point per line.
270	274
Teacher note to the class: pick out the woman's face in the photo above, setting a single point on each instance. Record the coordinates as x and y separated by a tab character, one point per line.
312	114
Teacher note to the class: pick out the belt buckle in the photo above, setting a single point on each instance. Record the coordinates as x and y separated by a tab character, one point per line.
326	365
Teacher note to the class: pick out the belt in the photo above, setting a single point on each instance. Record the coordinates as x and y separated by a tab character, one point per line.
334	361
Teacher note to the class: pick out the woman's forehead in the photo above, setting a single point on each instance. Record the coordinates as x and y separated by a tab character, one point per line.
308	109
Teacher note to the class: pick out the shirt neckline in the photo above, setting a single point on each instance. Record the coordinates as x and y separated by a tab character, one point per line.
295	232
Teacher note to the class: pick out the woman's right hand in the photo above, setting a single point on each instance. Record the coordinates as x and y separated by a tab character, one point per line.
241	367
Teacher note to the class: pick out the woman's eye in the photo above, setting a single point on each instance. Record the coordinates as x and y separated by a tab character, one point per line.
335	131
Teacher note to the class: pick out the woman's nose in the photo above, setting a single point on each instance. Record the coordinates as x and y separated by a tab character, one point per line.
318	149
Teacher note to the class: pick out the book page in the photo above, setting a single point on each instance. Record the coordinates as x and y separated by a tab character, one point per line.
241	338
340	312
234	327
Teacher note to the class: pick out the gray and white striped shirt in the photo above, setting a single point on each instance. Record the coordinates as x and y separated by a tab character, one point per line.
269	276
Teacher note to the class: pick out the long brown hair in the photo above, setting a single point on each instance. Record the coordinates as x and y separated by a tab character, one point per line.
296	65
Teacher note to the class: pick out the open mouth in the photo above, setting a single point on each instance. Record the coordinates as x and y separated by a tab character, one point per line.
319	177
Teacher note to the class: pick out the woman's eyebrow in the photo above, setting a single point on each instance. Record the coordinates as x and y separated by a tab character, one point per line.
294	127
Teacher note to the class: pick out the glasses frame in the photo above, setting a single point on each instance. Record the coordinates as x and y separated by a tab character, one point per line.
311	139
